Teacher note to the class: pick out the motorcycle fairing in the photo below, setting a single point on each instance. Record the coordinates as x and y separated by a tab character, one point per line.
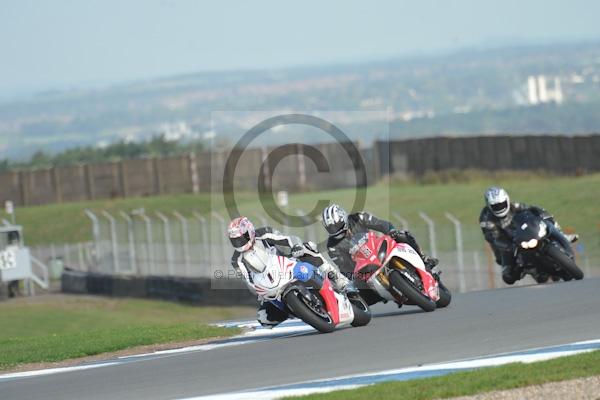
402	252
303	271
331	303
338	306
276	273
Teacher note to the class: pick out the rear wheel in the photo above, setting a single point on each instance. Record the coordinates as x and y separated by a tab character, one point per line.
315	316
445	296
362	313
565	263
414	295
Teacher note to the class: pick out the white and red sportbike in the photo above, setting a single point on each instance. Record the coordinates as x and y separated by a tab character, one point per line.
298	287
395	271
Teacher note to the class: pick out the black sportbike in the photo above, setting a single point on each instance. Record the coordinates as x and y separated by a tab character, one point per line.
541	250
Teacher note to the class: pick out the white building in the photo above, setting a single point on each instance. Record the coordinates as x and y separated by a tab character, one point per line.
539	92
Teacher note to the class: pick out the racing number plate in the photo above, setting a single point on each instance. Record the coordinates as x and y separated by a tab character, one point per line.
8	259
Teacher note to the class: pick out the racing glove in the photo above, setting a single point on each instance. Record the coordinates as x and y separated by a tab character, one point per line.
297	251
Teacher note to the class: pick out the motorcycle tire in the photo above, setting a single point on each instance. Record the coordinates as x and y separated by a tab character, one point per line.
445	296
565	263
303	311
413	294
362	313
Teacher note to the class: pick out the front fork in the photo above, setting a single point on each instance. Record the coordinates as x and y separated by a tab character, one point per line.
424	284
383	278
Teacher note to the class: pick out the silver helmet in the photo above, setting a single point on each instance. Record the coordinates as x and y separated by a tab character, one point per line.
335	220
497	201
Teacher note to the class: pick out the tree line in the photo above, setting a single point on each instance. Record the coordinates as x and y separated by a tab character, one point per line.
157	146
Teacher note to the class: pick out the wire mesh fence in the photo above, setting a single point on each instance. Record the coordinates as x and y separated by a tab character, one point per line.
196	245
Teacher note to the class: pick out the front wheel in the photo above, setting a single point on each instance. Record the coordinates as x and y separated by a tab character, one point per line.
445	296
319	320
413	294
565	263
362	313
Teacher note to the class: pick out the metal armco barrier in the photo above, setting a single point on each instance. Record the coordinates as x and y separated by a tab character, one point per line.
191	290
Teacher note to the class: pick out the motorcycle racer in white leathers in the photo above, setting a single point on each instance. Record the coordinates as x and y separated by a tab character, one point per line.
244	238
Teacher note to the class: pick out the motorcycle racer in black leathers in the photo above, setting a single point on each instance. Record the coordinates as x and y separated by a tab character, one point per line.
244	237
342	226
495	222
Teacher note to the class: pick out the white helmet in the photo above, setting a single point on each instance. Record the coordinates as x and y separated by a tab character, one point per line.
497	201
241	234
335	220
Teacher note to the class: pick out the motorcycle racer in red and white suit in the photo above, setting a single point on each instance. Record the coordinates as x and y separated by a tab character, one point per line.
244	238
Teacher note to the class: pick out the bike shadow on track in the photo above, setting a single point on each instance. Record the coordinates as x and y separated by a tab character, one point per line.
399	312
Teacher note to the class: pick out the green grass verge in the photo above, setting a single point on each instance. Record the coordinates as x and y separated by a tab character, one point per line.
573	200
468	383
58	327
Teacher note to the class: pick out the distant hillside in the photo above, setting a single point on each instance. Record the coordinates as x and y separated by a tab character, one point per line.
570	118
466	92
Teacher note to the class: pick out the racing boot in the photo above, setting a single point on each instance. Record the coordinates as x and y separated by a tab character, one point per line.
572	237
270	316
430	262
511	274
340	283
541	277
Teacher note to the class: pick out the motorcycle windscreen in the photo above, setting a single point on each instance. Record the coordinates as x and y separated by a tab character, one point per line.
527	226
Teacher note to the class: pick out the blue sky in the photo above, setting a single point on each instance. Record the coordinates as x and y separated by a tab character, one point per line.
60	44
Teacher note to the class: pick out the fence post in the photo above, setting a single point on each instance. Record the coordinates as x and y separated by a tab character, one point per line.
431	228
52	252
403	221
82	263
167	235
130	240
204	236
149	239
459	250
113	240
95	232
66	255
186	240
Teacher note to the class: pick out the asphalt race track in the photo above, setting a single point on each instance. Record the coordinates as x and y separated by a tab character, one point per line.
476	324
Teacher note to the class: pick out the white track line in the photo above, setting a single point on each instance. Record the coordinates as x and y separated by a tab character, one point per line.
358	380
49	371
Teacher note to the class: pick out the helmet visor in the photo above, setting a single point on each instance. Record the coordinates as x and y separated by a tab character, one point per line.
499	207
336	229
240	241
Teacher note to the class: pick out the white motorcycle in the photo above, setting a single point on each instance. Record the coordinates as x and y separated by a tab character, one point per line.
298	287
